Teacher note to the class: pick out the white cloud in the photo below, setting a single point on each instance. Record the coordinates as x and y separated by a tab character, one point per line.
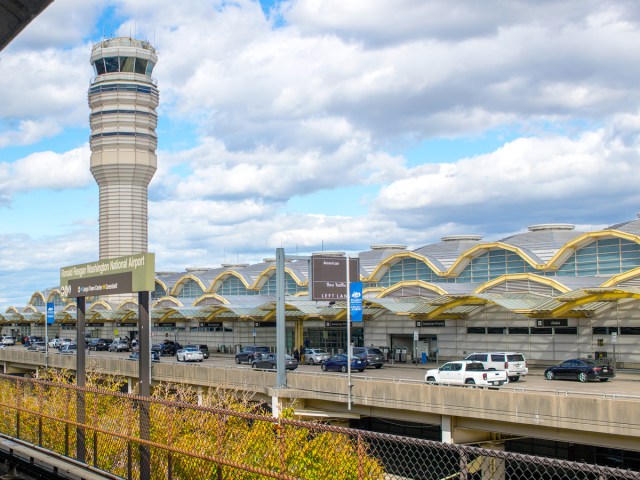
46	170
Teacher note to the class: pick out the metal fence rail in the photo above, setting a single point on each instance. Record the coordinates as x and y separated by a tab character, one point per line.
179	439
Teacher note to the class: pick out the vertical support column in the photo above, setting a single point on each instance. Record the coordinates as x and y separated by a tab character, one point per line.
446	426
280	320
80	380
144	374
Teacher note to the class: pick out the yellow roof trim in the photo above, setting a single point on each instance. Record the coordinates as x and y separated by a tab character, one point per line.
617	279
456	302
173	300
210	295
593	297
215	284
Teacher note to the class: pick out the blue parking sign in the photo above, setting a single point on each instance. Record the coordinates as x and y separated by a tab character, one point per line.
51	316
356	301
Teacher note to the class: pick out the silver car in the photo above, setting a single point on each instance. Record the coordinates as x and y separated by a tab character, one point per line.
316	356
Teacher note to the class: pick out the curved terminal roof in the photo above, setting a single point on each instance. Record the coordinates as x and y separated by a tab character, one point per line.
16	15
531	279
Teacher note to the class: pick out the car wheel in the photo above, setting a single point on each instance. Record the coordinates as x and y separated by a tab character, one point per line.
604	379
312	361
237	361
378	366
431	380
343	369
324	367
254	365
514	379
177	358
583	377
200	360
361	370
549	375
469	381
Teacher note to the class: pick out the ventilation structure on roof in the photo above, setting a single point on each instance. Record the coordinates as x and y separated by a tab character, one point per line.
551	226
388	246
459	238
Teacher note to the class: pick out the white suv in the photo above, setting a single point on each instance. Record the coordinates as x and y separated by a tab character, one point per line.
513	363
7	340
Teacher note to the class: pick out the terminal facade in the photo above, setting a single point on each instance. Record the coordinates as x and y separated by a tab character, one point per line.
551	293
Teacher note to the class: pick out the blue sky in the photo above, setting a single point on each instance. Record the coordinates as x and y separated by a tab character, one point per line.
331	124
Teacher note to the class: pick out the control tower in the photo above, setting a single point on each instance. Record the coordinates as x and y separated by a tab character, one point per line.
123	98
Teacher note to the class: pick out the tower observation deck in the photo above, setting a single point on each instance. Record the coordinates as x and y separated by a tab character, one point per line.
123	98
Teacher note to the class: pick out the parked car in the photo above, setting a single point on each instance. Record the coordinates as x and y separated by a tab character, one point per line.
466	372
65	341
166	348
69	349
513	363
119	346
581	369
340	362
8	340
189	354
28	341
315	356
98	344
40	346
373	356
248	353
202	347
136	356
54	343
270	361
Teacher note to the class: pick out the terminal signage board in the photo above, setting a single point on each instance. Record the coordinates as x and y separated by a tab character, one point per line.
329	276
355	291
430	323
552	322
132	273
51	315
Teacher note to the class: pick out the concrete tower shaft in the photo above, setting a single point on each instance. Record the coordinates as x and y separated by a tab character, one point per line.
123	98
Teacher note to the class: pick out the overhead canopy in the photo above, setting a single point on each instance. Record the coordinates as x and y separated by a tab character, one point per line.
17	14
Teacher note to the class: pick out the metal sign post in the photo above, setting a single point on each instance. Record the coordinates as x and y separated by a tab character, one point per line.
349	348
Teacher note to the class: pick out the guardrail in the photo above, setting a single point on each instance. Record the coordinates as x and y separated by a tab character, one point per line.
187	434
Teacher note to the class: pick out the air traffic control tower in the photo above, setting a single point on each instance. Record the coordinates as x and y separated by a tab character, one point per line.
123	98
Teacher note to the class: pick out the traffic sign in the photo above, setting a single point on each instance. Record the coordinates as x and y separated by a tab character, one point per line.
51	317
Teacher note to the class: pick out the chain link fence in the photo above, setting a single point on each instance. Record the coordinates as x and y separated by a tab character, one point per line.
191	434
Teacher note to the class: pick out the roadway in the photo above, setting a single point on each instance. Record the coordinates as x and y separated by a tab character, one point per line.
626	383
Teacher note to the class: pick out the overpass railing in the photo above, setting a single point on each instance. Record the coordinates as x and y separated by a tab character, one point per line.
193	434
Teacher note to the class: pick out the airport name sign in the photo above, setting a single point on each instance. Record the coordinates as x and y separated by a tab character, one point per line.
132	273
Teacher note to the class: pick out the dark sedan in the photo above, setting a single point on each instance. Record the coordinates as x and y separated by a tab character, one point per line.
338	363
581	369
269	361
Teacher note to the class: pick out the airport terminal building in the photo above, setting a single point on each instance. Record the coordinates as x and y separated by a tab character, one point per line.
551	293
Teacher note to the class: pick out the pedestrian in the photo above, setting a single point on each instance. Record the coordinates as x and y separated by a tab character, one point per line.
296	354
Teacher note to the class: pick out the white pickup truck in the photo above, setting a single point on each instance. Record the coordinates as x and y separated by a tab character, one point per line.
465	372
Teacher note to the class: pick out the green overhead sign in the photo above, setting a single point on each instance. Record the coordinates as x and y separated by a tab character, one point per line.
132	273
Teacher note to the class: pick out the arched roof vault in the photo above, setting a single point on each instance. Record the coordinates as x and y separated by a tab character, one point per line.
184	279
583	240
532	277
413	283
220	278
391	260
477	250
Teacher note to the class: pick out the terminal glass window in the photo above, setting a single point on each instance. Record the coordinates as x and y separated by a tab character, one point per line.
190	289
493	264
608	256
150	66
57	300
406	269
159	292
232	285
38	302
291	287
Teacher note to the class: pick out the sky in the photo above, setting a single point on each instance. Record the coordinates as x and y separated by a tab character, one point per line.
318	125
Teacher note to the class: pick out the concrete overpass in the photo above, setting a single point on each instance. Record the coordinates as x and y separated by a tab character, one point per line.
465	415
15	15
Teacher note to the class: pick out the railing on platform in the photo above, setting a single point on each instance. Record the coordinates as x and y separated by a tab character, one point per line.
183	440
